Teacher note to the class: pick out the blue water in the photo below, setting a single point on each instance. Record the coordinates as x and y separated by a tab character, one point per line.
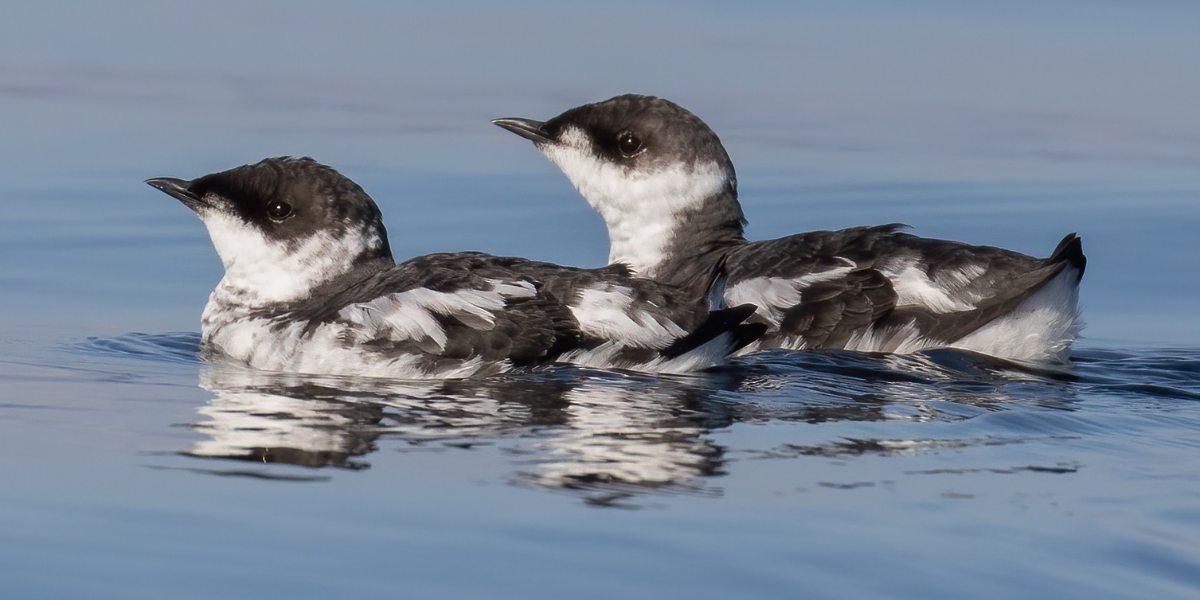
132	469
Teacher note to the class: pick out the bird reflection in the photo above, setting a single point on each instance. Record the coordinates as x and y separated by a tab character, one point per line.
278	425
606	436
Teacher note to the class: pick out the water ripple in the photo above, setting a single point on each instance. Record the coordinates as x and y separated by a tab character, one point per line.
177	347
616	439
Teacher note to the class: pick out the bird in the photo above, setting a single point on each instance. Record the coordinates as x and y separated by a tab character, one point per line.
310	286
667	191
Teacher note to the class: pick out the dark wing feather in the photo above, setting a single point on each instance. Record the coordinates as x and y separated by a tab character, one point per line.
527	330
998	281
989	281
656	306
838	297
530	329
833	312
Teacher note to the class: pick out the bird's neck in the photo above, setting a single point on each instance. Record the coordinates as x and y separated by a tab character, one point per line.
262	271
657	239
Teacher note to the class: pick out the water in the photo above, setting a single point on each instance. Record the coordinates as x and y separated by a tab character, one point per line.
133	469
831	475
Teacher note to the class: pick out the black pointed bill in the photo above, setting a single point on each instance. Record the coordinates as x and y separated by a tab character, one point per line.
178	189
534	131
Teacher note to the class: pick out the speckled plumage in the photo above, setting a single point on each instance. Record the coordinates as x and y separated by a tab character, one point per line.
672	212
316	290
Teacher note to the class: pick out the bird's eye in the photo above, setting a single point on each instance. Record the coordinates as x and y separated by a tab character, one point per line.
628	143
279	210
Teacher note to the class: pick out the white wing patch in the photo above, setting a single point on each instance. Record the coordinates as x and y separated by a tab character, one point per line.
265	344
774	295
959	278
914	288
411	315
607	311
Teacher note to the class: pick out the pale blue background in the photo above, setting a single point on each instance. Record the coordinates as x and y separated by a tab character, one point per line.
1008	125
1004	123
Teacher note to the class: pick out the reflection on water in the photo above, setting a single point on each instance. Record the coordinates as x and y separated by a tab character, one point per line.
606	436
802	467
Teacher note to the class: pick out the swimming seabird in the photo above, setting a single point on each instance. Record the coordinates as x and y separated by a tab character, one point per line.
310	286
667	191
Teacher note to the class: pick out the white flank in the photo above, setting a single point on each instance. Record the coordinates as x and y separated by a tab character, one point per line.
284	346
900	340
641	209
1040	329
287	346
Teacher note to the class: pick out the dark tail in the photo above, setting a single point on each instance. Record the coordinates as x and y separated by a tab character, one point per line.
720	322
1070	251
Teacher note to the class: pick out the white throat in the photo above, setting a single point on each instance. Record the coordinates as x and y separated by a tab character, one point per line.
260	270
642	209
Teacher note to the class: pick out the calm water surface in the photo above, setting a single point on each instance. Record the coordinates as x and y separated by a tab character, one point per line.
132	469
